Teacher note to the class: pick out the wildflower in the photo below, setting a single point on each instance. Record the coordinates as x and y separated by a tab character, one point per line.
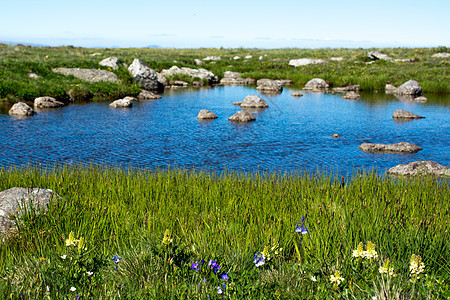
336	278
258	259
63	257
416	265
116	260
266	253
224	276
71	241
313	278
370	251
195	266
73	289
386	268
77	297
167	237
214	265
301	229
89	273
359	252
81	244
219	290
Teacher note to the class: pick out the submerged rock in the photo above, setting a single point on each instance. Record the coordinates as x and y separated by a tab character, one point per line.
206	114
402	147
47	102
421	99
254	101
16	201
417	168
351	96
242	116
89	75
403	114
297	94
21	109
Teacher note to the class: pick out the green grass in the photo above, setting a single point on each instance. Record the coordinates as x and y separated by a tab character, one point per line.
226	218
17	62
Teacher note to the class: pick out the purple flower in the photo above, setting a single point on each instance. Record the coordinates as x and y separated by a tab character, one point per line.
214	265
195	266
258	259
301	229
224	276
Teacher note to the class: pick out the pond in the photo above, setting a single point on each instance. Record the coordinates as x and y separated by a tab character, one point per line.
292	134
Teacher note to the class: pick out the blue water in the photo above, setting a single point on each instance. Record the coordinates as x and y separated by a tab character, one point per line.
293	134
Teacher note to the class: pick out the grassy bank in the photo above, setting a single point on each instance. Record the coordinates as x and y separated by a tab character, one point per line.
141	234
16	62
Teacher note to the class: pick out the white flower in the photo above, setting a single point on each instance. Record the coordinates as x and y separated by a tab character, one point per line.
89	273
219	290
313	278
63	257
72	289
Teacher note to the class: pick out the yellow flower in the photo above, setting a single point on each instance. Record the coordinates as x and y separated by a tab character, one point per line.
416	265
359	252
167	237
71	241
386	268
336	278
370	251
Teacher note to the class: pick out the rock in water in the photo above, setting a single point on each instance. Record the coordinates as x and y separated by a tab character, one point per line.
205	114
147	95
410	88
242	116
269	86
15	201
417	168
351	96
316	84
403	114
403	147
21	109
254	102
122	103
47	102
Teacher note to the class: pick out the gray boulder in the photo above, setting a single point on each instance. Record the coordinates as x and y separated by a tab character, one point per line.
112	62
122	103
403	147
254	101
237	103
421	99
374	55
199	73
403	114
345	89
177	84
389	88
212	58
351	96
205	114
145	76
337	58
147	95
33	75
316	84
232	81
305	61
47	102
21	109
15	201
269	86
441	55
242	116
199	62
417	168
410	88
230	74
89	75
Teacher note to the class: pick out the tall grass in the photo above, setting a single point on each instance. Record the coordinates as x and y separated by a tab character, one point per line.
227	218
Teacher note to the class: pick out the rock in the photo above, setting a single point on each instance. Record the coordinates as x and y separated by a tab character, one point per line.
248	57
121	103
232	81
147	95
344	89
47	102
409	88
297	94
236	57
441	55
403	114
305	61
417	168
261	57
197	83
254	102
390	89
421	99
15	201
162	80
316	84
337	58
249	81
237	103
178	84
403	147
269	86
242	116
129	98
284	82
199	73
21	109
89	75
112	62
145	76
335	135
206	114
33	75
212	58
199	62
351	96
229	74
377	55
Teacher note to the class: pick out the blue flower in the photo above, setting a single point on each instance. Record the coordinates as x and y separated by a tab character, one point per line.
301	229
258	259
224	276
116	260
195	266
214	265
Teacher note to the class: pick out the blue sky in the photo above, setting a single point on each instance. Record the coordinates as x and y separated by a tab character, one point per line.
231	23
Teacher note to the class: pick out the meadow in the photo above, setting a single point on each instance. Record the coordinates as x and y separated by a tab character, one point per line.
17	61
141	234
